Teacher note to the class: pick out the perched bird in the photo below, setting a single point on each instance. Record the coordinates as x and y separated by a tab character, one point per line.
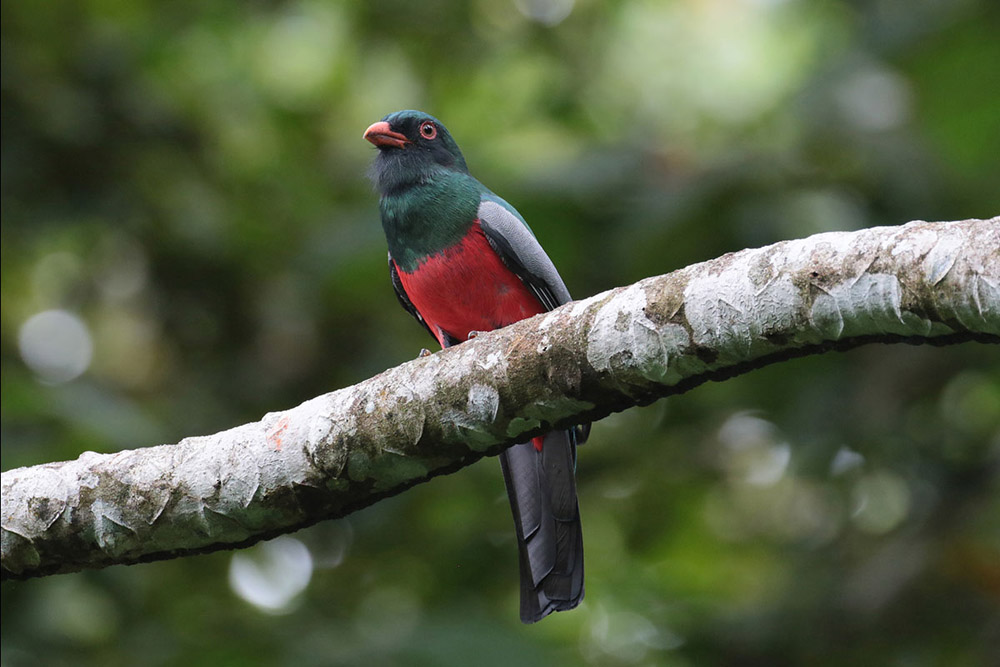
462	260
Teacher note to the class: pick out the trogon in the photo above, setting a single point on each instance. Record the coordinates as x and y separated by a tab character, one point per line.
461	261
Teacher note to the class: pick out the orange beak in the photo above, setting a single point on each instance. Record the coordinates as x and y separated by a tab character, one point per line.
382	135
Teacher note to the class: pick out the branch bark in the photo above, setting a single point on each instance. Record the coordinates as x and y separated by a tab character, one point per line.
921	282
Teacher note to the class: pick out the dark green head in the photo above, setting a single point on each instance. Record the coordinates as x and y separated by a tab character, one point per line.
412	146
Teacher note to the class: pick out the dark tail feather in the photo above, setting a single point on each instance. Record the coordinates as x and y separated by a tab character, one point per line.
541	486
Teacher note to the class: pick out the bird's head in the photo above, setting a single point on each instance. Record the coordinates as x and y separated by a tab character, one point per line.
411	145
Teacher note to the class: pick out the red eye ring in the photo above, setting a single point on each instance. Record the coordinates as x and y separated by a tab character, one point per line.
428	130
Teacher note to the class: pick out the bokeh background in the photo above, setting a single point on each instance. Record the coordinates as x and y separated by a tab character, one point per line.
189	241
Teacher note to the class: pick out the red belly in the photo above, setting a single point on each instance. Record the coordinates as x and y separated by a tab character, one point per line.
467	288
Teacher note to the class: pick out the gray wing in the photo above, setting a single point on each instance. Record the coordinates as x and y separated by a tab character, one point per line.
520	251
540	483
511	239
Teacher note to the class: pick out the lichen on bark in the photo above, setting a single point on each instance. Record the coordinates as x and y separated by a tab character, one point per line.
936	282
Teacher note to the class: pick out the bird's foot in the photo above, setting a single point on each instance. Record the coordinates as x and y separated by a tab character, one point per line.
424	352
474	334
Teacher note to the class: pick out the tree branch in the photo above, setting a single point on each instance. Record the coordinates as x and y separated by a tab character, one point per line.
922	282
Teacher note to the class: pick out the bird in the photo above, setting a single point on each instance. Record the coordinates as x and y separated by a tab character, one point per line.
463	261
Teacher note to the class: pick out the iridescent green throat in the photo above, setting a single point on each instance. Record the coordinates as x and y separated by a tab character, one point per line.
429	216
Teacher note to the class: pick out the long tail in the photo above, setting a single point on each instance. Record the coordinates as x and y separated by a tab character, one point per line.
541	486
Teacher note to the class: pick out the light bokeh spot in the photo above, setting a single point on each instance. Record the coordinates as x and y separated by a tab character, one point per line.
56	345
546	12
272	574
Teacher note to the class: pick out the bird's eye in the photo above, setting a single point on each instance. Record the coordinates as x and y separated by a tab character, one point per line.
428	130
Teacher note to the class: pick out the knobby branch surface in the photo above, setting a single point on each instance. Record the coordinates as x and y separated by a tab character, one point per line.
921	282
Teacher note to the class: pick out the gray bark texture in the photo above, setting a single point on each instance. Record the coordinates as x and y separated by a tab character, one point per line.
924	282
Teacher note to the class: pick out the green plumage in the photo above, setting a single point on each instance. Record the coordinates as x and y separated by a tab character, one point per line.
423	221
429	201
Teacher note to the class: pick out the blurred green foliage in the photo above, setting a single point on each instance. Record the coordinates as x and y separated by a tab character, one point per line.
184	197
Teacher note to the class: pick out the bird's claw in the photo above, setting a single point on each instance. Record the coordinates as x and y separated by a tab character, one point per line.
424	352
474	334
